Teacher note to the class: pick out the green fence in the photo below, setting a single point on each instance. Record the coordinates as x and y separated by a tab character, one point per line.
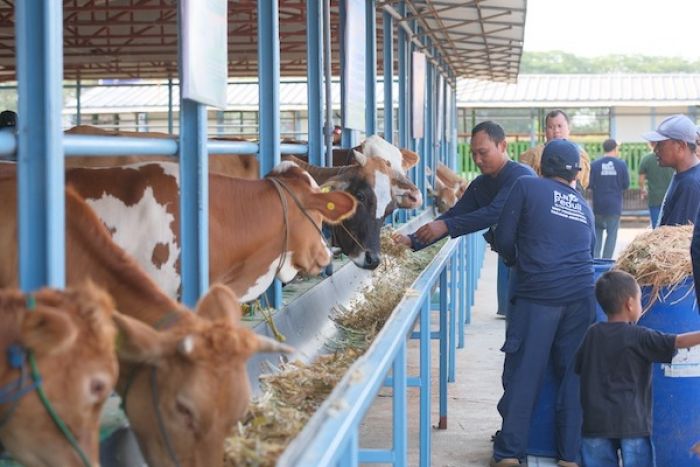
631	153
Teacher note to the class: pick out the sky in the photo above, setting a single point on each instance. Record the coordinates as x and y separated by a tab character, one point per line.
590	28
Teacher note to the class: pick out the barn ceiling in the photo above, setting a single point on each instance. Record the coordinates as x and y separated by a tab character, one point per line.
138	38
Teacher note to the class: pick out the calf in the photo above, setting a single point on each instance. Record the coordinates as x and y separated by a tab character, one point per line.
182	375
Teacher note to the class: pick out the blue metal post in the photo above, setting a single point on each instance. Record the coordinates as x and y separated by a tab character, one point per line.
194	201
314	74
404	102
269	79
170	106
349	458
194	197
462	289
425	428
41	203
429	121
444	351
346	135
400	407
78	102
371	68
454	284
388	77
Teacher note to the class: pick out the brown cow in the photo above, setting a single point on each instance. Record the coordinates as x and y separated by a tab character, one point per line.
191	375
59	329
450	178
256	231
448	188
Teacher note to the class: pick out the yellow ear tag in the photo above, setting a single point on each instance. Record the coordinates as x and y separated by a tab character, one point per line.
330	205
325	189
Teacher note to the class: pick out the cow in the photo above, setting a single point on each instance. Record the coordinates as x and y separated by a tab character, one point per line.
358	237
70	335
369	182
258	229
448	187
182	376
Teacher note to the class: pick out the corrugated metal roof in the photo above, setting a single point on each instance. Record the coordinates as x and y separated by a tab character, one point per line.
153	97
582	91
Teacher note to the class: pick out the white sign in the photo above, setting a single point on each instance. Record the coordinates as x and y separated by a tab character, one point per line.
418	91
354	73
440	121
204	51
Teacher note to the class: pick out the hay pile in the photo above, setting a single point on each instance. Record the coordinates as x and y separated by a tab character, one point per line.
292	395
659	258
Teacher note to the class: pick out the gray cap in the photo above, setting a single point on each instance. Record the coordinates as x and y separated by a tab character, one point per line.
678	127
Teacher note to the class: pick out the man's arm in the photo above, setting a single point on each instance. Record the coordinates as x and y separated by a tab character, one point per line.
642	185
507	228
625	177
584	174
687	340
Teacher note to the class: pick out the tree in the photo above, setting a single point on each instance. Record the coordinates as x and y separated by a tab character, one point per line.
557	62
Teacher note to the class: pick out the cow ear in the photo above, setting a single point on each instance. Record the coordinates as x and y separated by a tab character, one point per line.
220	303
359	157
47	330
334	185
408	158
140	343
334	206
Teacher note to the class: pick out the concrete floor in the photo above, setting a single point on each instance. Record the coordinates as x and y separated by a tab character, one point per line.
472	399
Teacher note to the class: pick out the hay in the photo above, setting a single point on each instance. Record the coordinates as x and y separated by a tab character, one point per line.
297	390
659	258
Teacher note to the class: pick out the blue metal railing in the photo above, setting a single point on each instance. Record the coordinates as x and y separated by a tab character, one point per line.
331	436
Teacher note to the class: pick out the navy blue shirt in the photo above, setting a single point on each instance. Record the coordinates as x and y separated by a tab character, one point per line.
682	198
609	179
695	255
547	229
482	203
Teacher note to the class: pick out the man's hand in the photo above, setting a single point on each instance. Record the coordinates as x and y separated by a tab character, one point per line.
643	193
401	239
431	231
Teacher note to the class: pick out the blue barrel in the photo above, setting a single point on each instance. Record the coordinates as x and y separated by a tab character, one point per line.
542	441
676	387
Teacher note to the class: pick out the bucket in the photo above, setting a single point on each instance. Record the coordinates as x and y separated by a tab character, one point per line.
675	386
542	440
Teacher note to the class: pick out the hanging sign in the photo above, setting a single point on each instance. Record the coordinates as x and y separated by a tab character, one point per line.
204	51
418	94
354	72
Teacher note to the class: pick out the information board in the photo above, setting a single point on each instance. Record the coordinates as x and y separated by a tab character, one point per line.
354	72
418	94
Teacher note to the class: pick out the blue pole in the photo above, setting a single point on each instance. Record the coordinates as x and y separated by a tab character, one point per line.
454	284
462	287
444	351
269	79
404	70
314	74
400	407
78	102
424	423
194	197
429	122
170	106
41	202
371	68
388	77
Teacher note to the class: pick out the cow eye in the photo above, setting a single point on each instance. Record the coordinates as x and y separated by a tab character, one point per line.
361	198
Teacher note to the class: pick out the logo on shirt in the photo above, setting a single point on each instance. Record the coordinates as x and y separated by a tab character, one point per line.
568	206
608	168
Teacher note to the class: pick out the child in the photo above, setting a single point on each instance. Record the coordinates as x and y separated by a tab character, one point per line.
615	362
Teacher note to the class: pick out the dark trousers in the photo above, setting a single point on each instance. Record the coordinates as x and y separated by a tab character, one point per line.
536	333
609	225
502	287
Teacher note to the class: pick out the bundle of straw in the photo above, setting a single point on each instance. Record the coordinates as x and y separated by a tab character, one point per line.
659	258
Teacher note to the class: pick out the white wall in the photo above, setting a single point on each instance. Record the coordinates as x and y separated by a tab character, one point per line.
631	122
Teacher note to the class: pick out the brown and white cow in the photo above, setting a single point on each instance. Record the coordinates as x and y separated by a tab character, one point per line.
189	374
71	335
256	231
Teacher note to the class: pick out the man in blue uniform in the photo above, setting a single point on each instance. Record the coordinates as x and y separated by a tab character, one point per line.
609	179
546	229
481	204
674	144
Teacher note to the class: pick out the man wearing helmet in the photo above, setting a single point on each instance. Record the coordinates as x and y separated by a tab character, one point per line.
546	230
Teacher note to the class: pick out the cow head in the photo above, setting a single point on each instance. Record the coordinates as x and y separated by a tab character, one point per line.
71	335
370	183
404	193
307	208
197	369
444	196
